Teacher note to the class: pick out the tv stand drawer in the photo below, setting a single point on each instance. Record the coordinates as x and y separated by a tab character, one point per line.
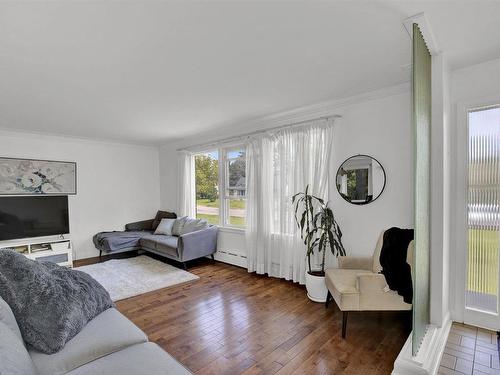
54	258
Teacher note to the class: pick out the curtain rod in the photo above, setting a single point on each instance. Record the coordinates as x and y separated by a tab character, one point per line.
251	134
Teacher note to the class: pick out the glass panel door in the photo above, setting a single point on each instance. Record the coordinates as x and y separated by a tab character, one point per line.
483	217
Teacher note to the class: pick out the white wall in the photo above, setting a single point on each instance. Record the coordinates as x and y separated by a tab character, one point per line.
377	127
380	128
116	183
472	86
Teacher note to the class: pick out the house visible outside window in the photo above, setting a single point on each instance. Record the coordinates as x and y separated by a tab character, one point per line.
236	188
221	186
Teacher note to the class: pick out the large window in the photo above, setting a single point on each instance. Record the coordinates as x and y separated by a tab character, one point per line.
221	186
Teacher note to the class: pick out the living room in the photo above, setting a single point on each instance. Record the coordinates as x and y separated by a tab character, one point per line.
171	153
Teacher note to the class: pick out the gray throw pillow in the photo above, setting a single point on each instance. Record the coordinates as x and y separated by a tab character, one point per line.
178	224
186	225
193	225
165	227
14	358
51	303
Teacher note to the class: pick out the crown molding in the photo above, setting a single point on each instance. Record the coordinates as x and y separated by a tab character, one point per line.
327	108
4	131
425	28
305	113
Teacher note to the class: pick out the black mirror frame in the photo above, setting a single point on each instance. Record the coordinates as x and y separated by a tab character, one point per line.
361	203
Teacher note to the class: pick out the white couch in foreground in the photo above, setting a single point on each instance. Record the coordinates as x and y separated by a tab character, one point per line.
109	344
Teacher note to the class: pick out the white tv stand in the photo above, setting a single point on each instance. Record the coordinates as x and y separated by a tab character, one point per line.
56	249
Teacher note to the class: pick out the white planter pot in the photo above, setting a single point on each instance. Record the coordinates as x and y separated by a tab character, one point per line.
316	288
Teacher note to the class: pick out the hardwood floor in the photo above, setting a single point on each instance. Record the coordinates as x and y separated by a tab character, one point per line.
233	322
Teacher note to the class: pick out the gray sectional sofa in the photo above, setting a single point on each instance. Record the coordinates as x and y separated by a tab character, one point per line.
140	236
109	344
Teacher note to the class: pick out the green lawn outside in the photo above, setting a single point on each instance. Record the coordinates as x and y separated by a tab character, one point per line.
235	203
483	261
214	219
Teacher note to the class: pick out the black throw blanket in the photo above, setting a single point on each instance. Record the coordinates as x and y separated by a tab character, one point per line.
396	270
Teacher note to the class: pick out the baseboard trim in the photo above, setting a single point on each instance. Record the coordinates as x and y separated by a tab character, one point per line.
105	257
428	358
234	259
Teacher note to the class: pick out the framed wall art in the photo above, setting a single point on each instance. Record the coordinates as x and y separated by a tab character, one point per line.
31	177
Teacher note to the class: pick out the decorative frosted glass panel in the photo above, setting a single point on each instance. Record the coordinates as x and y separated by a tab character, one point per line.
421	122
483	216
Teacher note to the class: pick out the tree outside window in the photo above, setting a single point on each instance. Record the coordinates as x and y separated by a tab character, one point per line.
224	177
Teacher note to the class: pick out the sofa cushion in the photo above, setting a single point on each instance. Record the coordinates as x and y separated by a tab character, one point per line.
179	223
107	333
7	317
162	215
374	295
161	244
186	225
193	225
139	359
14	358
119	241
165	227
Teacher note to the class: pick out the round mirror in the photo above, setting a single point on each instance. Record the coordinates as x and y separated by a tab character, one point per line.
360	179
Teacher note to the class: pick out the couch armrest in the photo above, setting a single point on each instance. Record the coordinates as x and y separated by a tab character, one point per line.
371	283
198	244
139	225
356	263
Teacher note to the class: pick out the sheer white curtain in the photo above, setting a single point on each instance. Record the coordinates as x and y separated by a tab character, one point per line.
186	194
278	166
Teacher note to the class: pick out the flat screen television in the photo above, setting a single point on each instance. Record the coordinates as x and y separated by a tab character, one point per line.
33	216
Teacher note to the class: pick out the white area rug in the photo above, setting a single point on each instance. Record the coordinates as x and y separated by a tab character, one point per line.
124	278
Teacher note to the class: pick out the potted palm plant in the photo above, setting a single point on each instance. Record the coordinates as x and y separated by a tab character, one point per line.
319	231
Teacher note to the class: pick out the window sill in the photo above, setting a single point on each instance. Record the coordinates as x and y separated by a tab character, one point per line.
232	230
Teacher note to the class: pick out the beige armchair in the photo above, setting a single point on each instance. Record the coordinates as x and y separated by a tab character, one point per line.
358	285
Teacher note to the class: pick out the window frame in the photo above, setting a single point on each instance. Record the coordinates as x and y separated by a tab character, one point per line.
224	166
223	183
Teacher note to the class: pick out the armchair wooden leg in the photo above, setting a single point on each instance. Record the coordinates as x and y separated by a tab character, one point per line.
184	265
213	258
345	314
328	299
408	320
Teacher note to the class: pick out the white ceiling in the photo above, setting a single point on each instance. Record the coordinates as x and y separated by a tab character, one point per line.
151	72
